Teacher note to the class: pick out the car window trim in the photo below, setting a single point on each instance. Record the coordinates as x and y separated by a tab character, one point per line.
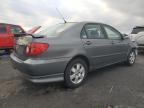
103	30
83	28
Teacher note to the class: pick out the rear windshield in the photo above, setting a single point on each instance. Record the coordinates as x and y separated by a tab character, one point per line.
137	30
2	29
55	30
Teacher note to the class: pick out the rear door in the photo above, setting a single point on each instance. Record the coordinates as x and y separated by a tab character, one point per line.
5	38
96	44
119	46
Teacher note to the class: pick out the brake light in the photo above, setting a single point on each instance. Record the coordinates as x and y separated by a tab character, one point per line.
35	48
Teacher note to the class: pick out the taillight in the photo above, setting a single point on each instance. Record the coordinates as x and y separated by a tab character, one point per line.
36	48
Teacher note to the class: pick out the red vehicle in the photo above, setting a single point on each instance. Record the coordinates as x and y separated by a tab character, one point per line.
7	32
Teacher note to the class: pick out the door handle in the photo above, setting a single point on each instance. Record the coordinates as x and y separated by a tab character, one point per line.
88	43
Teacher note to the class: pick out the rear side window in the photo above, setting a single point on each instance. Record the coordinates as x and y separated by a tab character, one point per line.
92	31
16	30
137	30
2	29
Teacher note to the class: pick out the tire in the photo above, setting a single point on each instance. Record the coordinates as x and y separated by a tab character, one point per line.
75	73
131	58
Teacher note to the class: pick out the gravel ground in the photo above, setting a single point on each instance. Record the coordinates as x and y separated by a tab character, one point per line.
117	85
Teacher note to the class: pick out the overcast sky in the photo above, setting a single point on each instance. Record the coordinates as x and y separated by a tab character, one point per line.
122	14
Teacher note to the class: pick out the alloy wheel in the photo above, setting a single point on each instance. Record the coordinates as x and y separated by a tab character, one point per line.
132	57
77	73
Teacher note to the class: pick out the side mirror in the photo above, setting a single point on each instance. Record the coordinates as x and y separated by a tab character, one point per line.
125	36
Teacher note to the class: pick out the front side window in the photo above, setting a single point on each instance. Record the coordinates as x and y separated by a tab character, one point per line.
93	31
2	29
112	33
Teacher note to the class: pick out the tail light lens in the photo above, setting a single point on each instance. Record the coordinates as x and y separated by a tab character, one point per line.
35	48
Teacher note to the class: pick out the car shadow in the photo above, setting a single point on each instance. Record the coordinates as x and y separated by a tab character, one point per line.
39	89
104	70
141	53
4	54
30	88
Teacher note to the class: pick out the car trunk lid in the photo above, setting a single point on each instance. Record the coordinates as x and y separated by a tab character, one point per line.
22	40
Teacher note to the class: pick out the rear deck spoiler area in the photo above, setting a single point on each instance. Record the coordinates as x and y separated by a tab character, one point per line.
27	34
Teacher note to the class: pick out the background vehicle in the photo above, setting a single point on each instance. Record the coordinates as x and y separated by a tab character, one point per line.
7	33
33	30
137	36
68	51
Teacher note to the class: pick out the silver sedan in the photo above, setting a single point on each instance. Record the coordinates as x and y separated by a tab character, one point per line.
68	51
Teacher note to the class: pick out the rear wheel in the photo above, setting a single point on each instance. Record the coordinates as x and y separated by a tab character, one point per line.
131	58
75	73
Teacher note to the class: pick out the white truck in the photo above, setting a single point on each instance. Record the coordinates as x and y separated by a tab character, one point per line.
137	35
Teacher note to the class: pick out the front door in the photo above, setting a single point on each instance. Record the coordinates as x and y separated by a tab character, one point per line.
5	37
119	46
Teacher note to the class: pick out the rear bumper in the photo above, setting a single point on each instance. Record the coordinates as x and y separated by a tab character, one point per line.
40	71
44	79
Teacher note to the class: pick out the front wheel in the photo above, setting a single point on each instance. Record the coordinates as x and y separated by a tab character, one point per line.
131	58
75	73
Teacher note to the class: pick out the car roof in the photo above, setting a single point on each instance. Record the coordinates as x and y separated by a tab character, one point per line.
8	24
84	22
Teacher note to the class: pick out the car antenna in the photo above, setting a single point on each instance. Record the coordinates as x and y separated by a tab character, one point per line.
61	15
